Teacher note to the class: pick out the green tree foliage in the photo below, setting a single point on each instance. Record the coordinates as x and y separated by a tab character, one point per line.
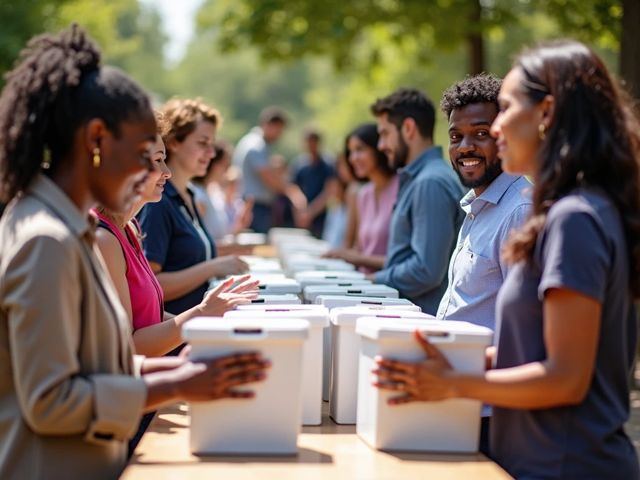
20	21
286	29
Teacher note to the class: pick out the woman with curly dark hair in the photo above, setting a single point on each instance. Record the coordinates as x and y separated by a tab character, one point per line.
74	133
567	327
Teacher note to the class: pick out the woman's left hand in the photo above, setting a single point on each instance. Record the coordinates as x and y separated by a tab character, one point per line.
228	294
417	381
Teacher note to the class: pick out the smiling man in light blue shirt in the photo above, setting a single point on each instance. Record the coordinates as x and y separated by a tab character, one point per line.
496	204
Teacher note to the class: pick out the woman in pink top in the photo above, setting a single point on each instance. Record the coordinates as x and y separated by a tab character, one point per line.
155	332
374	202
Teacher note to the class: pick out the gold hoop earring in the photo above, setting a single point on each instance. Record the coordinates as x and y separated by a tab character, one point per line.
96	157
542	131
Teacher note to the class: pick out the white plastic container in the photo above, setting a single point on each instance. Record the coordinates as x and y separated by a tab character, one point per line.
345	350
296	265
335	301
287	298
307	278
250	238
282	307
269	423
312	355
302	245
279	286
446	426
260	265
278	233
311	293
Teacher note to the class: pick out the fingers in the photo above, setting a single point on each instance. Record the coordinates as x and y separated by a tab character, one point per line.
401	399
395	376
397	365
184	353
429	349
236	359
221	287
245	284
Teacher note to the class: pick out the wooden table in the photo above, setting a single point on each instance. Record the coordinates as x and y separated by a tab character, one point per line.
326	452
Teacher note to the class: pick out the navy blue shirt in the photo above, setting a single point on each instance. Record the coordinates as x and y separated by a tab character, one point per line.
423	231
582	247
312	177
173	240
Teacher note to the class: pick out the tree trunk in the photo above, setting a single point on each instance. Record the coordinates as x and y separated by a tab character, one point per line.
629	58
475	41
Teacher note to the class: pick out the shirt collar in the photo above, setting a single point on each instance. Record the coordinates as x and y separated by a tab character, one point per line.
494	192
415	167
171	191
80	223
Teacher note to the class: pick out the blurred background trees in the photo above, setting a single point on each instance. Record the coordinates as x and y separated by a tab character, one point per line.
326	62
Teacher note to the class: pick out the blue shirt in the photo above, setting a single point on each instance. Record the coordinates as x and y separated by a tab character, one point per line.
312	177
476	269
423	230
176	241
251	155
581	247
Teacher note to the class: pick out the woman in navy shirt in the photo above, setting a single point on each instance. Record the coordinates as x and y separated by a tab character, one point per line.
178	247
565	315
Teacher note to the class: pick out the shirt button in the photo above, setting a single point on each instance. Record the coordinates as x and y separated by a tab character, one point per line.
471	216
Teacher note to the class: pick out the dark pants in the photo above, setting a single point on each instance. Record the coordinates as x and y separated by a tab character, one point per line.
144	424
484	436
262	218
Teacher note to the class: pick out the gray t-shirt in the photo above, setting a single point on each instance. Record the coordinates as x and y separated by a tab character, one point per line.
252	154
582	247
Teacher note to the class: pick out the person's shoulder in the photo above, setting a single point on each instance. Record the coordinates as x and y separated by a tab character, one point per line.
30	226
518	193
365	190
28	217
585	205
585	201
439	173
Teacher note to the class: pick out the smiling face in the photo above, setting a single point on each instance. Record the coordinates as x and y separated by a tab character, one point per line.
125	164
194	153
516	126
472	150
157	178
362	157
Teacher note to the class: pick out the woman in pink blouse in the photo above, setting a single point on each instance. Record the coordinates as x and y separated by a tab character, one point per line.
374	202
155	332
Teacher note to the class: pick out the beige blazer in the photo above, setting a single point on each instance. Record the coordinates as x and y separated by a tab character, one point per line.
68	398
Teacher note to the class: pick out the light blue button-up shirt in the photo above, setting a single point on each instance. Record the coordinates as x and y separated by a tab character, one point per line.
476	270
423	230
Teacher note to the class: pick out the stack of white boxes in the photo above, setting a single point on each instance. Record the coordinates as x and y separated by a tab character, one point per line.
348	320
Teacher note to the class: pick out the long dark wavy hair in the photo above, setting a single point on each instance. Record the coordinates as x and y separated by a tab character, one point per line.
593	140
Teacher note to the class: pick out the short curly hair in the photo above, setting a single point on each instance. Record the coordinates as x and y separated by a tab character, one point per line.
181	117
482	88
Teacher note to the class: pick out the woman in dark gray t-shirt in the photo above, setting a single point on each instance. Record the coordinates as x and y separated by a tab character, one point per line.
566	325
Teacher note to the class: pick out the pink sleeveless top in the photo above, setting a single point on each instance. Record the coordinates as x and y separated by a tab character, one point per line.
144	290
374	218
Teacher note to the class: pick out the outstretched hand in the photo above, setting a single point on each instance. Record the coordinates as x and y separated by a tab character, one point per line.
228	294
418	381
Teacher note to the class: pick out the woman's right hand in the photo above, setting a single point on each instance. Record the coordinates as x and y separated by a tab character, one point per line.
215	378
228	265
